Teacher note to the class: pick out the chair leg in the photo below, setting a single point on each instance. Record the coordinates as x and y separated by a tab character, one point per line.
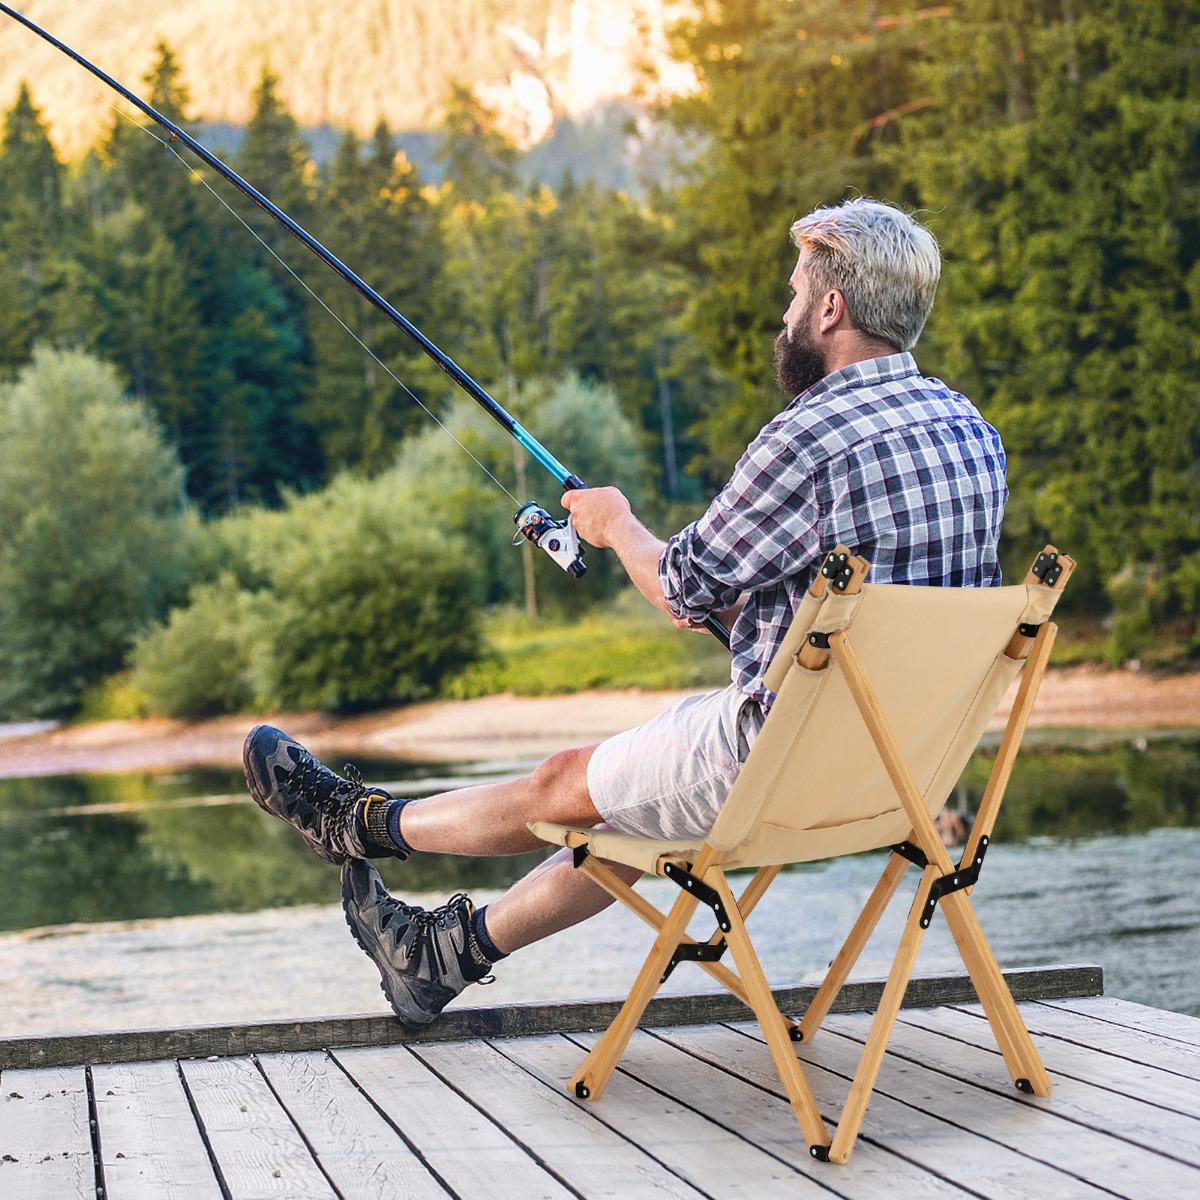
774	1027
847	956
589	1082
863	1084
1020	1055
756	889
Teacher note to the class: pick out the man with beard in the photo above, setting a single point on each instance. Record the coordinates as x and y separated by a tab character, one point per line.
868	453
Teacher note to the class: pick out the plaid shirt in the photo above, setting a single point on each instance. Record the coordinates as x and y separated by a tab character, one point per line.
893	465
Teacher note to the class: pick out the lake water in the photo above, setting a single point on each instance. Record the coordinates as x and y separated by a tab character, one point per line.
1095	859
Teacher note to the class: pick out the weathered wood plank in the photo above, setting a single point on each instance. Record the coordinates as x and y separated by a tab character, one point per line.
971	1089
762	1118
256	1146
1113	1141
45	1138
150	1146
514	1020
1127	1041
1075	1060
704	1152
920	1127
1179	1027
557	1129
361	1153
473	1155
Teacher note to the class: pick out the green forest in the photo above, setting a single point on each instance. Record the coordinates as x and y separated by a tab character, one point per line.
220	483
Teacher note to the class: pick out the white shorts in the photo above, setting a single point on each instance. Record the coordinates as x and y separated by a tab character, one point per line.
669	777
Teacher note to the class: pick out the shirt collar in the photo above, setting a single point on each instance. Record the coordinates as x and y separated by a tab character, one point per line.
870	371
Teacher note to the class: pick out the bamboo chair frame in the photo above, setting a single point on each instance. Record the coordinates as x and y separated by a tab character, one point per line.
942	884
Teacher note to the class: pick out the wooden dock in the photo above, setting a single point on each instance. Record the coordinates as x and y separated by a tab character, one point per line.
475	1107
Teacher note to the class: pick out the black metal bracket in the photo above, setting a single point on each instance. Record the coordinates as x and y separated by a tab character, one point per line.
820	640
1027	630
1047	568
838	569
580	855
820	1153
963	876
914	854
697	951
697	887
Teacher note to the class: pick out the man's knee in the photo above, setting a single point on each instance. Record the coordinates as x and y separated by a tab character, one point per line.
560	786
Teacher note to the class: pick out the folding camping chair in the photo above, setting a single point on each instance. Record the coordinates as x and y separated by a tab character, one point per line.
882	693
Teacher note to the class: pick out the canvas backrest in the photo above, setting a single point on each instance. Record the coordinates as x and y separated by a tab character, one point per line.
814	784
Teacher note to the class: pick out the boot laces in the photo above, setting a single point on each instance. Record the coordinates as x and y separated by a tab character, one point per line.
312	781
420	927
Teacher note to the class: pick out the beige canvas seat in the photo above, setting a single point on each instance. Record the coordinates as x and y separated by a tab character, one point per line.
882	693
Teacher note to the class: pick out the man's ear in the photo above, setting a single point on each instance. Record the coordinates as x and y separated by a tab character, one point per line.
832	311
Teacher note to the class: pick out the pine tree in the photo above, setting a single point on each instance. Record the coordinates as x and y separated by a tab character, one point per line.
1061	162
274	158
154	257
380	220
32	263
260	360
479	160
209	329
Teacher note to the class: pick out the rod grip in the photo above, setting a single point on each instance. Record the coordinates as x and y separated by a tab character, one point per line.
717	630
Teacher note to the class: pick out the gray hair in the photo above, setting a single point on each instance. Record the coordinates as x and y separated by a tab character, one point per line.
885	264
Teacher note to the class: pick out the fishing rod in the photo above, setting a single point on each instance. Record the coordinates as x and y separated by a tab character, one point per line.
557	538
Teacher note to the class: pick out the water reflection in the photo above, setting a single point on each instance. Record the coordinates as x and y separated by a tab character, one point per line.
1072	792
113	847
117	847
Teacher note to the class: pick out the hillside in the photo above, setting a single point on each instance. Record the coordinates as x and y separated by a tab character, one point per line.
349	64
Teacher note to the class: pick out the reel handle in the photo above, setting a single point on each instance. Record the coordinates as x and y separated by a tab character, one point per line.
558	538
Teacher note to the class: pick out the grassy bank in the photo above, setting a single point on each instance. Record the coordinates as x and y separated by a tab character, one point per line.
1168	647
627	644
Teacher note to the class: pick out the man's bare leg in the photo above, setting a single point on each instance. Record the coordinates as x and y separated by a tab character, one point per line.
552	897
492	819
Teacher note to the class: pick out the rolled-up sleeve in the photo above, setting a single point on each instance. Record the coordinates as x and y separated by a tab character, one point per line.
760	529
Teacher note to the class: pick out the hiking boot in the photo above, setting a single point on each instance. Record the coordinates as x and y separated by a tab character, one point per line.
424	958
286	780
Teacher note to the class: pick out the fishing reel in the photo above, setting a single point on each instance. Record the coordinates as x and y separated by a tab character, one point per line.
558	538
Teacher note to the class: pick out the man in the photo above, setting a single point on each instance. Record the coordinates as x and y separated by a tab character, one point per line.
868	453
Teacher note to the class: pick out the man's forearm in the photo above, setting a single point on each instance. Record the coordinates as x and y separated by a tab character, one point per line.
640	553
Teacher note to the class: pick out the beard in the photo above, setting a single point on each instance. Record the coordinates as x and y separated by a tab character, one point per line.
799	362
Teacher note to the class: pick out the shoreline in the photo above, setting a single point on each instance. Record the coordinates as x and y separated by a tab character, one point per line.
521	728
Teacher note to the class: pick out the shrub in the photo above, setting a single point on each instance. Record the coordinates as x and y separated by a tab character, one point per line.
92	544
369	603
581	424
198	664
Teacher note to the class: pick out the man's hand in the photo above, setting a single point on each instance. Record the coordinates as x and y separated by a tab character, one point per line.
603	518
599	514
727	617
